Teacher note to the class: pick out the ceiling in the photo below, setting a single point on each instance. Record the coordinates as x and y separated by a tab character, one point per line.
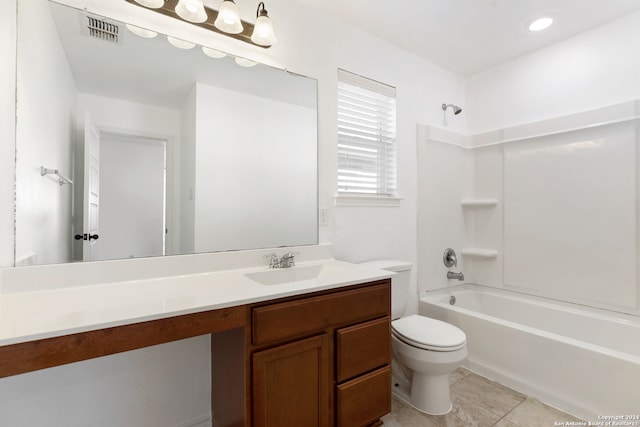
468	36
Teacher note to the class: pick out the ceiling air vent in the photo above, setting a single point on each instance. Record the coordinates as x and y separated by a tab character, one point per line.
103	30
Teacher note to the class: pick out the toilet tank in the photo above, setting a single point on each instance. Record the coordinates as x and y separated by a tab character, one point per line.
399	283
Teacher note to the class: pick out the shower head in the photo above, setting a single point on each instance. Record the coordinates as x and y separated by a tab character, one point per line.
456	110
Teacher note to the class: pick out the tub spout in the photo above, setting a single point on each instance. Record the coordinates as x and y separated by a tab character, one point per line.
452	275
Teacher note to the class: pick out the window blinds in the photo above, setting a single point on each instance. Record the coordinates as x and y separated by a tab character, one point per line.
366	136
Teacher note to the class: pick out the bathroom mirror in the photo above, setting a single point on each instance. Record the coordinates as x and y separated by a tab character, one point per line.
169	150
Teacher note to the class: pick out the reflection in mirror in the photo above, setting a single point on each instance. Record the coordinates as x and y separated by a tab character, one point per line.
171	151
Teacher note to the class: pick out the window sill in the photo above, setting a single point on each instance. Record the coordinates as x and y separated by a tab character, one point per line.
367	201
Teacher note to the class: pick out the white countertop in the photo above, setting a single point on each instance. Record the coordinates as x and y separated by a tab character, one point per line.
34	315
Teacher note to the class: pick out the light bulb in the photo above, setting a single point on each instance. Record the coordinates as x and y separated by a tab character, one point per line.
541	23
213	53
141	32
263	33
243	62
179	43
191	10
228	19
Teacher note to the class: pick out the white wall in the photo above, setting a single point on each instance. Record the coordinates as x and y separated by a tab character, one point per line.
368	233
132	197
251	193
310	44
188	174
46	129
586	72
161	386
7	124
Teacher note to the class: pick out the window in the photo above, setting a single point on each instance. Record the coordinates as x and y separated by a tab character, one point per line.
366	137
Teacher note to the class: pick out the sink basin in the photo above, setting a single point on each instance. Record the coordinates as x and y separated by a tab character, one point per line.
278	276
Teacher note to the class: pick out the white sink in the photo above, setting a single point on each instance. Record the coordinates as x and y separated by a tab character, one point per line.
278	276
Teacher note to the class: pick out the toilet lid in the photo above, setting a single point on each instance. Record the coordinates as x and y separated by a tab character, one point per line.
427	333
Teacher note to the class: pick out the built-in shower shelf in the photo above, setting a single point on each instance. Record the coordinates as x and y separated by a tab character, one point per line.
478	203
480	253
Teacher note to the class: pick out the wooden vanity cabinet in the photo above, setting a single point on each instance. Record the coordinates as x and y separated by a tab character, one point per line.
322	360
318	360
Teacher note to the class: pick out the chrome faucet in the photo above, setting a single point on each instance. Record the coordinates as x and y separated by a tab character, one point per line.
287	260
452	275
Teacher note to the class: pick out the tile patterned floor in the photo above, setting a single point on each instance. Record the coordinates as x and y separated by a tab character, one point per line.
478	401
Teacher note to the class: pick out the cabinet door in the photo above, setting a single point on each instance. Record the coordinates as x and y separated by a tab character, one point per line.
291	384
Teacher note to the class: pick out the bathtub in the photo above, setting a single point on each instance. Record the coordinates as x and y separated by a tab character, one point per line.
581	360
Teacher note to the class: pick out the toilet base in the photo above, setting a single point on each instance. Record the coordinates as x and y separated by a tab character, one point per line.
428	394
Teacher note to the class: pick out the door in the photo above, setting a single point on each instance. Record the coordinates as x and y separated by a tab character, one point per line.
291	385
132	196
90	209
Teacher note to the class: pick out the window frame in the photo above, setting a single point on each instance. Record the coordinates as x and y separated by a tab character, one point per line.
366	122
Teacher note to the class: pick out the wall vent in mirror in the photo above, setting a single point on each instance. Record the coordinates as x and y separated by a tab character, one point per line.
102	29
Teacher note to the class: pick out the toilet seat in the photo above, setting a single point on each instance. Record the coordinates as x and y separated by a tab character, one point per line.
428	334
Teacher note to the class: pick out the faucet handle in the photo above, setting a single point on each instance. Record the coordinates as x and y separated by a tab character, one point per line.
273	260
290	254
449	258
288	259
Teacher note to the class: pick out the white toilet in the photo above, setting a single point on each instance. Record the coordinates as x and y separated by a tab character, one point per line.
425	350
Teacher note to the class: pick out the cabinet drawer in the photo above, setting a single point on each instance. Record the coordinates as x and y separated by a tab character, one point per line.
365	399
290	319
362	348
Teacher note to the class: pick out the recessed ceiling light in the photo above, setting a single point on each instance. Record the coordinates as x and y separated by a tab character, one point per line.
541	23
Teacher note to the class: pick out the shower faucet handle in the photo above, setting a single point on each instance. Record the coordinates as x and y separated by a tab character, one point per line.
449	258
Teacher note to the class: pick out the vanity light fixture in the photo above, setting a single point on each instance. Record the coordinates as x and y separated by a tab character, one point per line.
263	33
225	21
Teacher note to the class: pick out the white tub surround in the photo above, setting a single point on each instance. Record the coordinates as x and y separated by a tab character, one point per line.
35	304
582	360
543	233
